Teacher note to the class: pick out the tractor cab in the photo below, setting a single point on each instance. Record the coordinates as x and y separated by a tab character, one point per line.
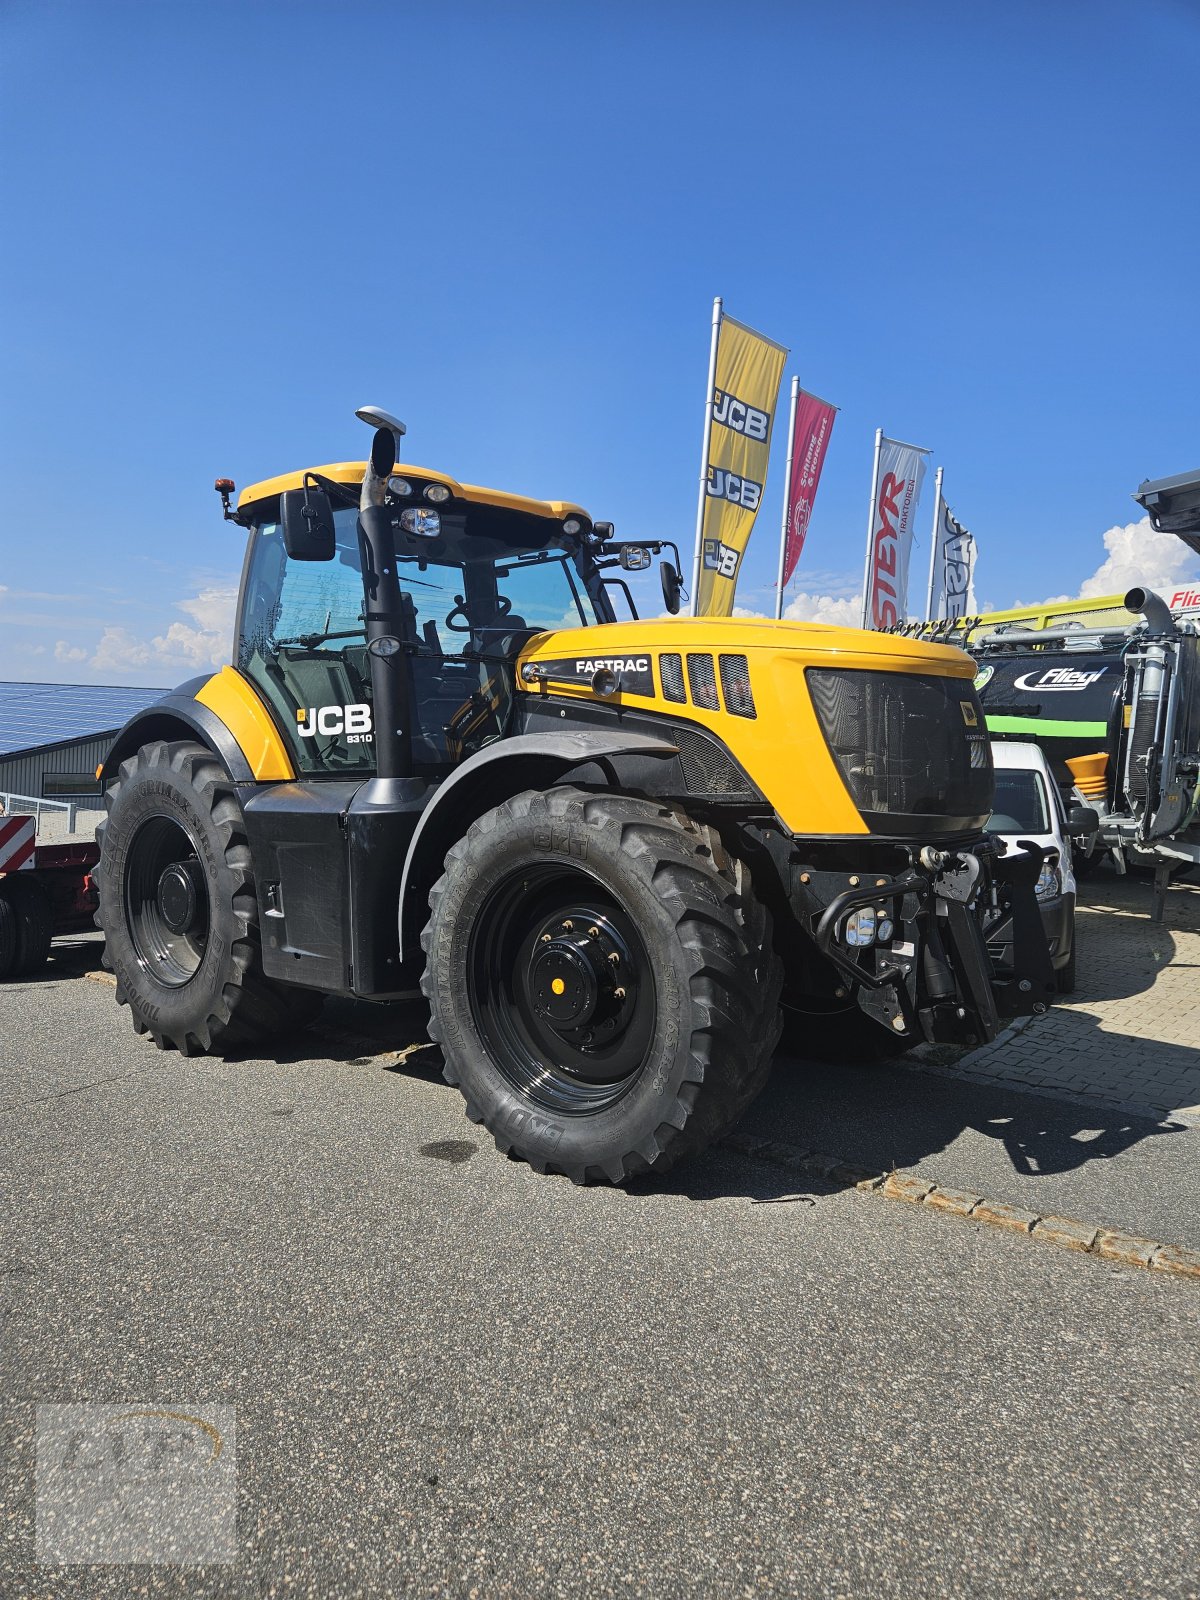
480	573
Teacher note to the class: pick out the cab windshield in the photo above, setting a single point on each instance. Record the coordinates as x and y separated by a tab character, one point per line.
468	608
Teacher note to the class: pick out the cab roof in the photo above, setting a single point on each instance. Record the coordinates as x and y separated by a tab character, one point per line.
351	472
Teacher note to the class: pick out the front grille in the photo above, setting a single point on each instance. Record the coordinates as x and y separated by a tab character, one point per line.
907	746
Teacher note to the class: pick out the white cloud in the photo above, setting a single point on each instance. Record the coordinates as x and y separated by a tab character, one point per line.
843	610
203	641
68	652
1136	556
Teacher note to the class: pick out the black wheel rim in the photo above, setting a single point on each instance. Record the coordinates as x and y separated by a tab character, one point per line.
166	902
562	992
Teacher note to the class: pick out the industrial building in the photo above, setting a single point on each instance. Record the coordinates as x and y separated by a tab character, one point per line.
53	736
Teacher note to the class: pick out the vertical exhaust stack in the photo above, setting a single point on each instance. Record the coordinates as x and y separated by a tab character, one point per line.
383	613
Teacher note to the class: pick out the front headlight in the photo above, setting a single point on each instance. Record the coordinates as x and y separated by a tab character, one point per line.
1049	884
858	930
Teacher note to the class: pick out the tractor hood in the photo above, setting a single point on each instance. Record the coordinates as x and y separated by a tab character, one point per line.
843	731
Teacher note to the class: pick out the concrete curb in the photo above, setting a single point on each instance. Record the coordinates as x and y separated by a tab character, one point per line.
1065	1233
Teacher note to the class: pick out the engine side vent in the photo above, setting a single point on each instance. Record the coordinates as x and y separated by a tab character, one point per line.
702	681
735	686
707	770
670	672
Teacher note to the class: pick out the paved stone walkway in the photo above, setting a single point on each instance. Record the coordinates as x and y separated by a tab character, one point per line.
1130	1034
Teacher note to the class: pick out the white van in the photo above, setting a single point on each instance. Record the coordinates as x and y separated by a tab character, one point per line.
1028	806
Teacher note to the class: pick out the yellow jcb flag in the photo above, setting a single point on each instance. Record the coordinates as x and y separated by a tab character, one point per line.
747	369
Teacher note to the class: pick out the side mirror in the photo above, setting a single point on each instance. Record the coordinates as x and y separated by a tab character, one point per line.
1082	820
307	518
671	585
634	558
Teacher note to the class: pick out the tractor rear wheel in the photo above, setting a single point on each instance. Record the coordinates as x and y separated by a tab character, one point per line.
178	908
602	982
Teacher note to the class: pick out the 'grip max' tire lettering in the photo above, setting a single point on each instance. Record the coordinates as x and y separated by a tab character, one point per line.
228	1002
707	942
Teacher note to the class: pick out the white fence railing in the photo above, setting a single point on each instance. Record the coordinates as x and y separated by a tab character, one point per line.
27	805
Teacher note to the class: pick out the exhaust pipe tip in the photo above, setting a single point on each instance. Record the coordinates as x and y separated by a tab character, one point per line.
1153	607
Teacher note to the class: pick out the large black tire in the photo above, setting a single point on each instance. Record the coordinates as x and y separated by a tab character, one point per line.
8	937
34	917
568	882
203	988
845	1036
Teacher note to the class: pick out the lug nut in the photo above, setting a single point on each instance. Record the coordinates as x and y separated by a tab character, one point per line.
567	924
806	877
593	933
614	958
898	1024
854	882
618	994
839	994
545	938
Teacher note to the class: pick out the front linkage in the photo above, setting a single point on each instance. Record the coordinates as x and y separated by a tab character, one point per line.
932	977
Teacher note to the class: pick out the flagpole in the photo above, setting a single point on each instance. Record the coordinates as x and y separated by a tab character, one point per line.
866	600
708	414
787	498
933	540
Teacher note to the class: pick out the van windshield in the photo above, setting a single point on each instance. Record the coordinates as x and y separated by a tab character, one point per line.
1020	803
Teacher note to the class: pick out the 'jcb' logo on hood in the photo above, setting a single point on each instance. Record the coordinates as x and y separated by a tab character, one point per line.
352	721
1058	680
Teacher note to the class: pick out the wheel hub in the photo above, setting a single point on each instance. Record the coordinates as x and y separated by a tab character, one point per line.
180	896
581	978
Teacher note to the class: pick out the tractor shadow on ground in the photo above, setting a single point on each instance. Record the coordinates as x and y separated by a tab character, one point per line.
884	1117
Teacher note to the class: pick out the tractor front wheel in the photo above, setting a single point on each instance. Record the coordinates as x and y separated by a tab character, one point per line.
178	908
602	982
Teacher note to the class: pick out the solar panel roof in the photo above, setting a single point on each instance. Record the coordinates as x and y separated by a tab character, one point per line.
34	714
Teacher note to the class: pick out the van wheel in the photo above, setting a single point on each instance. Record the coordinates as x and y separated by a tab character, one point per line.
178	909
1064	978
34	924
601	979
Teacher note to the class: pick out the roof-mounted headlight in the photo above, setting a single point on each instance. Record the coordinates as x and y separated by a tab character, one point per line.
400	487
437	493
421	523
572	525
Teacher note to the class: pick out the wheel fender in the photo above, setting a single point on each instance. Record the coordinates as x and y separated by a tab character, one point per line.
179	716
525	761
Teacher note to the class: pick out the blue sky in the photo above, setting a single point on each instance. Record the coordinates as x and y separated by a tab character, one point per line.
228	225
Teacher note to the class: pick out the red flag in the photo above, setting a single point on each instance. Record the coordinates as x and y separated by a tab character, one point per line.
810	440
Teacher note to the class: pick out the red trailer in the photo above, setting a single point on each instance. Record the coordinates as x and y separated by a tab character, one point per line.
45	889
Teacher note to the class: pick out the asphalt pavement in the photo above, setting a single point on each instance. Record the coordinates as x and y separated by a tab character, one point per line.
453	1377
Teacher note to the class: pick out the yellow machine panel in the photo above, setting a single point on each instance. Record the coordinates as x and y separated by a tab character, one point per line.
781	747
228	696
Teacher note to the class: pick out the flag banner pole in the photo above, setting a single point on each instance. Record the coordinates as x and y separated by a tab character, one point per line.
934	542
787	497
866	599
708	412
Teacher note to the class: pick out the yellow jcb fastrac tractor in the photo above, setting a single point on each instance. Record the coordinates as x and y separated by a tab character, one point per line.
615	854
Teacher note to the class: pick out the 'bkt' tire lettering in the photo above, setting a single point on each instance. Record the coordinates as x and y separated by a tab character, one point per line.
725	485
330	720
528	1122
